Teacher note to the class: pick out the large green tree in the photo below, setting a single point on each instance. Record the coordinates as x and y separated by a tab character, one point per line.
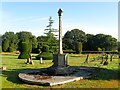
88	46
105	42
119	46
5	45
51	35
27	37
0	43
12	40
71	39
34	44
100	41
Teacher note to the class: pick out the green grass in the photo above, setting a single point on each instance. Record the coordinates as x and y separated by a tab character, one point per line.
107	78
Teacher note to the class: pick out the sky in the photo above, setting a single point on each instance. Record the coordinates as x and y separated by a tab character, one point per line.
90	17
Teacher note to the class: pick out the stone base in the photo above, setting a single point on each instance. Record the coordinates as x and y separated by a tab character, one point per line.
38	76
60	60
60	66
58	71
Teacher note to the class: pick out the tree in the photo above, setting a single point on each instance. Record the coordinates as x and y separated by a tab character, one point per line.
34	44
42	40
0	40
78	47
106	42
88	46
100	42
5	45
12	40
71	38
118	46
51	36
25	36
49	31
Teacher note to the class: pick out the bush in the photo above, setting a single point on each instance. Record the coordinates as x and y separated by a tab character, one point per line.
24	55
24	47
24	51
99	49
69	51
10	49
5	45
45	56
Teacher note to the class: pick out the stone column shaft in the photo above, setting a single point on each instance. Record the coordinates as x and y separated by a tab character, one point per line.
60	35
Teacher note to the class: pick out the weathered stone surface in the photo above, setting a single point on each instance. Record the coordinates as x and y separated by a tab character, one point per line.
60	66
60	31
53	80
60	60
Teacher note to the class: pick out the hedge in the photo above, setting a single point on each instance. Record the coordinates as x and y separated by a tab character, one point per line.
45	56
24	52
24	55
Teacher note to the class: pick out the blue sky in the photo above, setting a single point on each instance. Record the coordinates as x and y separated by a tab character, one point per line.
91	17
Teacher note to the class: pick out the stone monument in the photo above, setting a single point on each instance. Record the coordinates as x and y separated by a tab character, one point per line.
60	60
59	72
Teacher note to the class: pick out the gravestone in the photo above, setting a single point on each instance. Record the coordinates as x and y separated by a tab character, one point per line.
41	61
111	57
106	60
29	60
86	61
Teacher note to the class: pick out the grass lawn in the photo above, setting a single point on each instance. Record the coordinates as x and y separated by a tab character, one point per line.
107	78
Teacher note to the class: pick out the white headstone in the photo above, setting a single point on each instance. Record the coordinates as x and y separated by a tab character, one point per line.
41	61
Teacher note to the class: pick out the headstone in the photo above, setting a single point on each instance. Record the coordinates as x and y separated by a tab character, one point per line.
102	60
111	57
31	62
41	61
106	60
86	61
3	68
28	61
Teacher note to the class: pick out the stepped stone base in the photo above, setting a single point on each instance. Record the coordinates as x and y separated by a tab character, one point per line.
60	66
39	77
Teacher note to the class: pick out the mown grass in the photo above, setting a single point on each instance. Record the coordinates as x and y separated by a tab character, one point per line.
107	78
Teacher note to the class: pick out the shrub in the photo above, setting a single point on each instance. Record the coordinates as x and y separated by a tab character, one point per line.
10	49
24	47
24	51
5	45
24	55
99	49
69	51
45	56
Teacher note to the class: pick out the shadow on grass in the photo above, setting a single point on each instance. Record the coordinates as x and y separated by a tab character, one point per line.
12	75
97	74
102	73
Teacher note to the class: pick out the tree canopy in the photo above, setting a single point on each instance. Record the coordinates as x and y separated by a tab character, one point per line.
75	40
71	38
